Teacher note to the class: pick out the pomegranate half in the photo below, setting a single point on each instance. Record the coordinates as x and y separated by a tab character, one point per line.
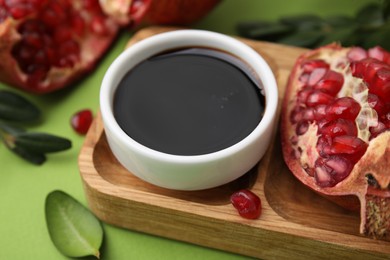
46	44
335	129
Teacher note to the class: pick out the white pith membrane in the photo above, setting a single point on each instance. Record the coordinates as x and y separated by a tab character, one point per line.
352	87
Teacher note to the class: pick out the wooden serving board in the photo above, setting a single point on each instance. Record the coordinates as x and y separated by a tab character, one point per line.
296	223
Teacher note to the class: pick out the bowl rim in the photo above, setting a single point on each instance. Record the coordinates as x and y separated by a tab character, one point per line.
188	36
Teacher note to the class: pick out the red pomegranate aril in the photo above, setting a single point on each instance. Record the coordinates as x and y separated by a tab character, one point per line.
379	53
303	94
376	103
247	203
350	146
347	141
357	54
302	127
81	121
332	170
311	65
344	107
296	114
320	112
98	25
317	97
331	83
316	75
338	127
377	130
309	114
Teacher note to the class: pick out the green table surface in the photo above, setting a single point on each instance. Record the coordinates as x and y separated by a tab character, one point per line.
23	187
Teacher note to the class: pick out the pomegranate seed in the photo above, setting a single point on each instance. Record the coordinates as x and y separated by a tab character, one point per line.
379	54
331	83
356	54
358	68
81	121
302	127
247	204
303	94
98	25
310	65
330	171
54	15
296	114
77	24
319	112
316	76
370	75
350	146
304	78
344	107
323	145
309	114
318	97
338	127
376	103
377	130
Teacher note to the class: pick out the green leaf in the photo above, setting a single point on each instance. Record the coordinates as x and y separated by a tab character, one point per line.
303	22
74	230
370	16
339	21
32	157
386	9
303	39
344	35
14	107
42	142
262	30
380	37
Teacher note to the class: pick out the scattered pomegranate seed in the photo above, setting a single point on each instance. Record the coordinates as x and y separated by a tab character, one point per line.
81	121
247	204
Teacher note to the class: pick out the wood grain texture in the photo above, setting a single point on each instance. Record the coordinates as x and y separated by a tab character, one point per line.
296	223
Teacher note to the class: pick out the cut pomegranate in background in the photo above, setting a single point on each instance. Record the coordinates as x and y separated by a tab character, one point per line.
168	12
336	129
46	44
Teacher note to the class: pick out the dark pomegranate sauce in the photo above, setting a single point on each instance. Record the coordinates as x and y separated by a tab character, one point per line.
189	102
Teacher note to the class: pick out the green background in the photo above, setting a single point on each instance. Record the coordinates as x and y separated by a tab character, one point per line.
23	187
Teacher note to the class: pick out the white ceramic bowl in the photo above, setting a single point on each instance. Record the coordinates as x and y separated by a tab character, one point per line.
193	172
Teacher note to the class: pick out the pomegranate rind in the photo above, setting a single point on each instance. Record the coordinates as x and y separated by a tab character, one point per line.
162	12
374	202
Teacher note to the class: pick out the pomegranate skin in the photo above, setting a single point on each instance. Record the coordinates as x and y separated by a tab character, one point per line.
162	12
47	66
366	184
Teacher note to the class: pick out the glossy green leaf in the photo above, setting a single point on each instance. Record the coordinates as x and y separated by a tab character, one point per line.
380	37
303	22
74	230
42	142
32	157
370	16
339	21
303	39
266	31
386	9
345	36
14	107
